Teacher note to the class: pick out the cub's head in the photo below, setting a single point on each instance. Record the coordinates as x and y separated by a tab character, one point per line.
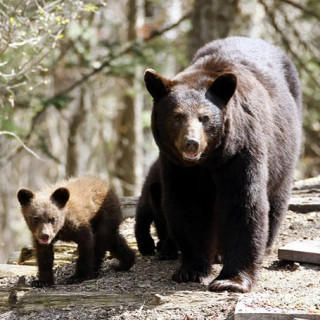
44	214
188	115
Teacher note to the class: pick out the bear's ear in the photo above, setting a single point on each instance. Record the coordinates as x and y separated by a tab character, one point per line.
222	89
157	85
60	197
25	196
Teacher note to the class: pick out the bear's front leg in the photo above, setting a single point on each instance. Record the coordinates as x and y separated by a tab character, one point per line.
242	207
190	231
85	262
45	256
188	200
191	235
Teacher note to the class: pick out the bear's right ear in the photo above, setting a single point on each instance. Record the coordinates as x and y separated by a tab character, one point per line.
25	196
60	197
157	85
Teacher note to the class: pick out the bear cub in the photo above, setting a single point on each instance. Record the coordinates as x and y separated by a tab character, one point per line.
84	210
148	211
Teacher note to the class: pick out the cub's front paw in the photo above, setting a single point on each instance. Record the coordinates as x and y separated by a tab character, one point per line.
41	283
240	283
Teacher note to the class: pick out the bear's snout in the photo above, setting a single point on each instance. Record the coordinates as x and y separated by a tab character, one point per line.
191	145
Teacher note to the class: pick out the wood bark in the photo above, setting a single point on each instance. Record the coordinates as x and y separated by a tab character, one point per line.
211	20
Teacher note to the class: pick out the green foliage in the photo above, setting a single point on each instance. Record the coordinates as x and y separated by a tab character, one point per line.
31	35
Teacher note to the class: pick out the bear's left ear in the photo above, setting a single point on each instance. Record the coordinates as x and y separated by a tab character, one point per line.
222	89
157	85
25	196
60	197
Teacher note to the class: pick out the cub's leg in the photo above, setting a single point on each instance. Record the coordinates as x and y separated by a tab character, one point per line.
85	262
120	250
144	219
45	257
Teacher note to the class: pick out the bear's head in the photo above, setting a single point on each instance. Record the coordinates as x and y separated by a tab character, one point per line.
188	116
44	214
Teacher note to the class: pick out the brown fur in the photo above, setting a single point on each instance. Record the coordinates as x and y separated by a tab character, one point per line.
84	210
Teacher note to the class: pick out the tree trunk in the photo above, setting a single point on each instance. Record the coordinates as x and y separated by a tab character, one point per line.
128	159
76	121
211	19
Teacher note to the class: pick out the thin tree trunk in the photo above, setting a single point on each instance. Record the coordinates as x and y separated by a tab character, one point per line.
77	120
211	19
128	159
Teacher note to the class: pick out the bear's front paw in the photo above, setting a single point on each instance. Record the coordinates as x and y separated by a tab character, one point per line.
167	250
239	283
185	274
78	279
41	283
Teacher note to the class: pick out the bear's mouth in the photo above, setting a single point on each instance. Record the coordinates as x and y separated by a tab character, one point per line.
44	240
191	156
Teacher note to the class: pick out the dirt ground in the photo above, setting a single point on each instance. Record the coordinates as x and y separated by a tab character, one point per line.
287	285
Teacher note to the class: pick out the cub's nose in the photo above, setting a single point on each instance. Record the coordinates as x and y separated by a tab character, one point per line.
44	237
191	145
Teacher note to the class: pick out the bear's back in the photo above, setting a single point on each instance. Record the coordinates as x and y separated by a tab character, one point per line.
87	195
267	62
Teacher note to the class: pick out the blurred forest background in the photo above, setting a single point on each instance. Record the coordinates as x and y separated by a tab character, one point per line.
71	82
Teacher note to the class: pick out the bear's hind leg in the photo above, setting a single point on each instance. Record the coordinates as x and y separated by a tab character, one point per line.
120	250
278	208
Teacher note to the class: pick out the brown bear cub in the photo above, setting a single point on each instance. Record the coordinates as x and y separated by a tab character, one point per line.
228	129
84	210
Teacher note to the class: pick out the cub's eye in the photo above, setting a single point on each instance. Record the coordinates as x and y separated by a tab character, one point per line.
204	119
35	219
52	220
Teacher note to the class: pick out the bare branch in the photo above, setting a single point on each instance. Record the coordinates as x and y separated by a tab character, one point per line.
286	42
126	48
123	50
23	145
306	10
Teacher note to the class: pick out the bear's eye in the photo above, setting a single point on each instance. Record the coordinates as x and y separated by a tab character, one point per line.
177	119
204	119
35	219
52	220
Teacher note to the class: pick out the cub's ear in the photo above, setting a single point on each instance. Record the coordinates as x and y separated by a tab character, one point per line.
60	197
157	85
25	196
222	89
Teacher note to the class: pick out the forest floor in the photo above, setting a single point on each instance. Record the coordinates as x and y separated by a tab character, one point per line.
147	292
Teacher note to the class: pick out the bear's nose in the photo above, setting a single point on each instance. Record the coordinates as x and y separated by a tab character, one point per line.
191	145
44	237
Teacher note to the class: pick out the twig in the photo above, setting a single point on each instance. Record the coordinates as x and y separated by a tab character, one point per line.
23	145
306	10
286	42
126	48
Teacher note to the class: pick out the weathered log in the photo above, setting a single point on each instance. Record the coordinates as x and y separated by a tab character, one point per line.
11	270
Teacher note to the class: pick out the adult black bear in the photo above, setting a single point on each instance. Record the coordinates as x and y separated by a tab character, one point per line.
228	129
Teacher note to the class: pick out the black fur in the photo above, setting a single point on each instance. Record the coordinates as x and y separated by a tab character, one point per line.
240	101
